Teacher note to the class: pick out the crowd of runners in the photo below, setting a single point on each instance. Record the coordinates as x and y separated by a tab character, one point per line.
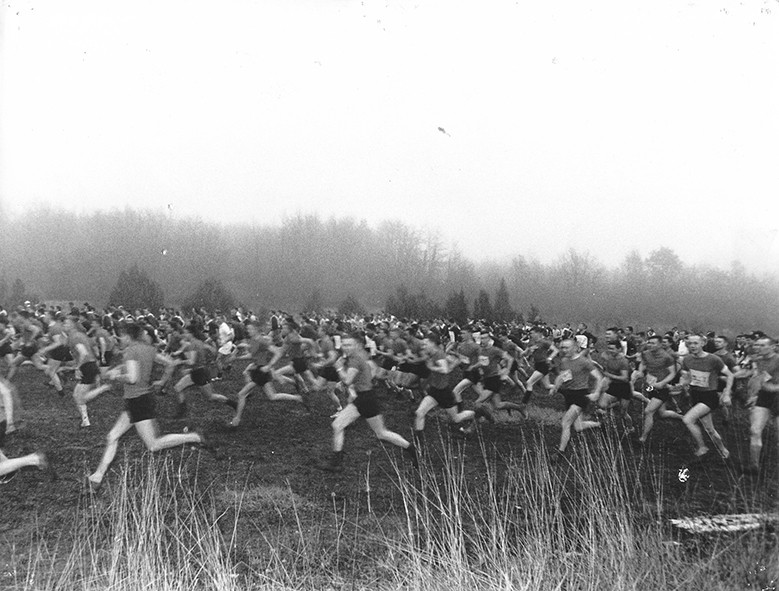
678	376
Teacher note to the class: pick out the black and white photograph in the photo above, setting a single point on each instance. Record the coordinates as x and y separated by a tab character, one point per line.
386	295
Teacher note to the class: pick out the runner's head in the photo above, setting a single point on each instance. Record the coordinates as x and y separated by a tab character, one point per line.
721	343
765	346
695	343
569	347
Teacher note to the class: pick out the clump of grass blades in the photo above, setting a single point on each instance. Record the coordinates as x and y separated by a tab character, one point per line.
150	529
584	523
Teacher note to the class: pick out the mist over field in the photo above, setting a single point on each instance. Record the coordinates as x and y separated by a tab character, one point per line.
310	263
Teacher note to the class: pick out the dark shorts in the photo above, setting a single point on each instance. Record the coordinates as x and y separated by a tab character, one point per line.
89	372
200	376
663	394
387	363
60	353
140	408
443	396
514	367
299	364
3	426
367	404
421	369
620	390
492	383
259	377
769	400
541	367
330	374
6	349
472	375
708	397
28	350
109	357
575	397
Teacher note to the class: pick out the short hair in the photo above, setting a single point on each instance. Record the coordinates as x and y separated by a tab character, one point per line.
656	337
612	329
132	330
771	340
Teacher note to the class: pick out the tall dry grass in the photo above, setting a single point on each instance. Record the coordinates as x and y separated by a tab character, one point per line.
483	521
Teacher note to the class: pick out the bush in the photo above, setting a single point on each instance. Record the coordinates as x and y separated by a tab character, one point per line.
211	295
135	290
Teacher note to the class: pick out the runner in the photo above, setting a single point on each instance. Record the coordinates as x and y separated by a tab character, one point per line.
495	364
721	350
468	351
135	372
227	350
28	331
658	368
700	373
440	391
573	383
763	399
9	466
617	392
325	367
263	354
195	351
56	351
87	371
355	372
542	351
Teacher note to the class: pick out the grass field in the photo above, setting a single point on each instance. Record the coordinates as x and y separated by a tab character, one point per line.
488	512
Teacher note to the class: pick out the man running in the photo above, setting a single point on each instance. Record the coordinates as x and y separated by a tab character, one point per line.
135	372
439	390
87	371
495	363
355	372
572	382
259	373
700	373
8	465
617	390
658	368
541	351
196	358
763	401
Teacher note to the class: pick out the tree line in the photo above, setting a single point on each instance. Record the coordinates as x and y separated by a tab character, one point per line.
314	264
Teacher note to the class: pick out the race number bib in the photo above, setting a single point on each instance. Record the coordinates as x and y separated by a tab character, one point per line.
566	375
650	380
484	360
699	379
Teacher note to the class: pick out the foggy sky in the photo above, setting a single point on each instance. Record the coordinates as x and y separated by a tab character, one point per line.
507	126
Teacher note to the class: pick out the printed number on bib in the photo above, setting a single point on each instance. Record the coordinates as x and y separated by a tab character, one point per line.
699	379
566	375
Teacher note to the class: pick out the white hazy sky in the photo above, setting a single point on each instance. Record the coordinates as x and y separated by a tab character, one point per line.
615	124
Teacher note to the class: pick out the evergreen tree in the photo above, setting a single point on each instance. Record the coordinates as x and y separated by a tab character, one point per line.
502	309
135	290
350	306
457	307
482	308
211	295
